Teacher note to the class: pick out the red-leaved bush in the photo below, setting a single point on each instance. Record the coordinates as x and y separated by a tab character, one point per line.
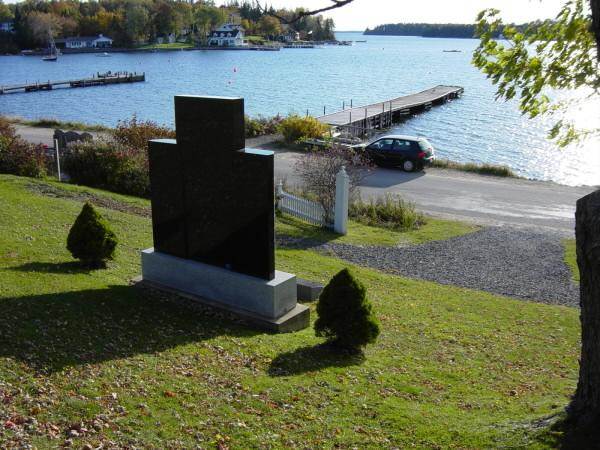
19	157
135	134
117	162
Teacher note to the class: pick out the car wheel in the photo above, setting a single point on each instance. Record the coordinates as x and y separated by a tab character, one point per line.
409	166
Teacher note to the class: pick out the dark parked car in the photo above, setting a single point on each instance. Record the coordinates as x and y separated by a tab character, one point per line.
408	152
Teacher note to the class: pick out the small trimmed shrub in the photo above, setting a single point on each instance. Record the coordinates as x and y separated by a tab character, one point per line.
389	212
91	239
295	128
345	314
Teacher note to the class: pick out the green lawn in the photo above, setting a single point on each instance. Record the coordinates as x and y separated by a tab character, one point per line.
255	39
571	257
360	234
453	368
174	45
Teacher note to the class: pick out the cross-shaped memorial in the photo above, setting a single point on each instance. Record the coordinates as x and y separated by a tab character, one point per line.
213	217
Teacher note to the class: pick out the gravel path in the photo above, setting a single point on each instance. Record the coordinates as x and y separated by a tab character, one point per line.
505	261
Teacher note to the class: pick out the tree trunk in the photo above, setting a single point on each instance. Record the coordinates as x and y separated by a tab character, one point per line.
595	4
585	406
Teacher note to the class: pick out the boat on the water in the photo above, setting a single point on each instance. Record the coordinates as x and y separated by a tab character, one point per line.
53	54
104	55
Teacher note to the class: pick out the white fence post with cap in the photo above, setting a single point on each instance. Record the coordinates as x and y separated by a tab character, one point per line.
342	194
313	212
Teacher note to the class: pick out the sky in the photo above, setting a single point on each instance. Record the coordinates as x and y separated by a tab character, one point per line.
369	13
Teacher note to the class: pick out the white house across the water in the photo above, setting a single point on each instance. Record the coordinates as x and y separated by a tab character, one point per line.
7	27
228	35
99	41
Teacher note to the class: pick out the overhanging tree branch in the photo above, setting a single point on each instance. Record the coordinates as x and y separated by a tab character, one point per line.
595	5
300	14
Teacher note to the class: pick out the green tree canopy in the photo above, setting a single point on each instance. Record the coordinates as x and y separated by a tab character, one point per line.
5	12
546	57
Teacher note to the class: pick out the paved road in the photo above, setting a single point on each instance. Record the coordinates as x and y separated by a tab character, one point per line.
448	193
482	199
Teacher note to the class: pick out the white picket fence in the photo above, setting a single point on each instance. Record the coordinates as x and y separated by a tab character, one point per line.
302	208
313	212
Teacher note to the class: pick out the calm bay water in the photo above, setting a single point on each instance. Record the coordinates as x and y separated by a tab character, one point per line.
475	128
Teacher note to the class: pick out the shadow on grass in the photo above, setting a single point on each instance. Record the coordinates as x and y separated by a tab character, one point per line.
69	267
563	434
51	332
304	235
312	358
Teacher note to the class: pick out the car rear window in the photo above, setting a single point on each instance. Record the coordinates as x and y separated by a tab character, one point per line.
425	145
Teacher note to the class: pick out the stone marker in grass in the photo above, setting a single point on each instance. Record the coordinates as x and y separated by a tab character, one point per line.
213	217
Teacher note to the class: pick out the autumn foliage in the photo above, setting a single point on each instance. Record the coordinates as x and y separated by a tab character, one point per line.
118	162
19	157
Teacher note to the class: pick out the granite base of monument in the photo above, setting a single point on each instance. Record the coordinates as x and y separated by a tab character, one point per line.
308	291
269	304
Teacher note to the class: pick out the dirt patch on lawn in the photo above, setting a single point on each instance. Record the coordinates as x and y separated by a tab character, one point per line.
97	200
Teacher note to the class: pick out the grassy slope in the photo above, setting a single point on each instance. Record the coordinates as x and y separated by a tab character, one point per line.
435	229
453	367
360	234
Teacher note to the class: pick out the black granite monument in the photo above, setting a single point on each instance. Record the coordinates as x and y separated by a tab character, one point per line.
212	199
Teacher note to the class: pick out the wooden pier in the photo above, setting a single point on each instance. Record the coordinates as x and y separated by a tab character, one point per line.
384	114
99	79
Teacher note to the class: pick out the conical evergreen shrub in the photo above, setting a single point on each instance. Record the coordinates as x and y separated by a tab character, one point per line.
345	314
90	239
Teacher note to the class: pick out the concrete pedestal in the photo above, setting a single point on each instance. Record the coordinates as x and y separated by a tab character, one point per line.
270	304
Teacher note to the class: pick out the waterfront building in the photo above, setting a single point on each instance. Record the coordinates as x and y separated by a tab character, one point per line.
168	39
227	35
289	35
82	42
7	27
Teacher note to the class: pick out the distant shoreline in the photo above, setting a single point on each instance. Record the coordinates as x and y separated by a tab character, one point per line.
419	36
257	48
144	50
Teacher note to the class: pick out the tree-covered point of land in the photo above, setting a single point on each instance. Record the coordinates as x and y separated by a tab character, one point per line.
446	30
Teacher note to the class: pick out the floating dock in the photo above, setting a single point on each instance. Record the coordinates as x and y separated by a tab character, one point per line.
384	114
100	79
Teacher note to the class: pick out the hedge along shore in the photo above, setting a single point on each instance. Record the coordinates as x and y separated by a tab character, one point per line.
51	124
